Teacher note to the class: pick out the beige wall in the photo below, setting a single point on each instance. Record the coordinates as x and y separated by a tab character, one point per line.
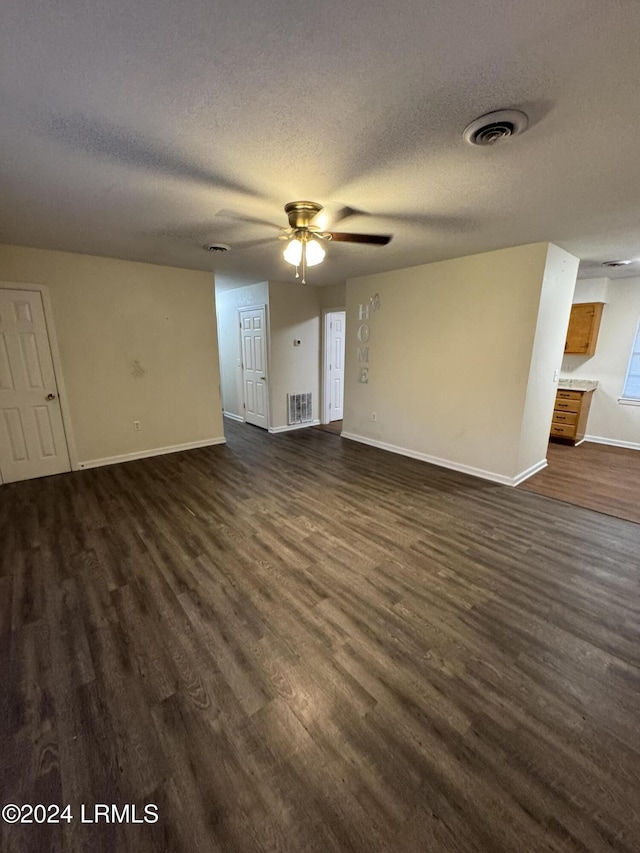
294	313
137	342
610	421
449	359
227	304
554	308
333	296
592	290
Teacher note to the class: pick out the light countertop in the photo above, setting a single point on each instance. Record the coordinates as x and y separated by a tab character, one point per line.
577	384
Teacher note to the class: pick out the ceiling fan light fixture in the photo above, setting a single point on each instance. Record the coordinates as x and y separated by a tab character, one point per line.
304	248
305	241
314	253
293	252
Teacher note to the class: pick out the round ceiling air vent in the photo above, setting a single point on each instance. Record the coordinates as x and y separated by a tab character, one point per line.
492	127
217	247
615	264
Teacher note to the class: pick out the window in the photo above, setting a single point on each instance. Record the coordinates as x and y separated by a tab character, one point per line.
631	387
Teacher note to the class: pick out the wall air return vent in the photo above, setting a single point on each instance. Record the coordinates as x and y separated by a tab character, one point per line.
299	407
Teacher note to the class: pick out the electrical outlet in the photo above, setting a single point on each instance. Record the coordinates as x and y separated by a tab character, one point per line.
374	416
136	425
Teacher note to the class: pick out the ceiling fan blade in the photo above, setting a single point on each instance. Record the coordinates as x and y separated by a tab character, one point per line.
345	212
372	239
250	244
231	214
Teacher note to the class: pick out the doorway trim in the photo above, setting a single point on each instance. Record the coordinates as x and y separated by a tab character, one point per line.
267	346
43	290
325	411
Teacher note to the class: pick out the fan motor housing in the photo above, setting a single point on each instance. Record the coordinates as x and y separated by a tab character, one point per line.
300	213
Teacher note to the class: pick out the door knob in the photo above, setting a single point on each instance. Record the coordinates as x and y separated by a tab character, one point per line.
51	396
264	378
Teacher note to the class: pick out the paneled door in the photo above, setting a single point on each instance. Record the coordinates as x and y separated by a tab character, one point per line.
254	365
32	439
336	322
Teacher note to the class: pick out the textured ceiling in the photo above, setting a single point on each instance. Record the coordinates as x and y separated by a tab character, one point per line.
126	128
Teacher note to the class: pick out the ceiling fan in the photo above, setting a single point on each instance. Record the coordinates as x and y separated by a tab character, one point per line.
305	241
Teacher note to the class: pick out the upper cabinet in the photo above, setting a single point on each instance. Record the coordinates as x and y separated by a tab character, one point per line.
584	325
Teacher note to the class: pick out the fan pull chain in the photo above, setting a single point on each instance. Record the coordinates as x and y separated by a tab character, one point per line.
304	262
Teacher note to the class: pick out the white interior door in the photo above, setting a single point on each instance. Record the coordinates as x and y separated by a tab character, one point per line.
254	365
32	439
336	321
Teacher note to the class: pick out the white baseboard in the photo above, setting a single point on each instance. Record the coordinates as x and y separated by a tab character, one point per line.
145	454
233	417
597	439
442	463
520	478
294	426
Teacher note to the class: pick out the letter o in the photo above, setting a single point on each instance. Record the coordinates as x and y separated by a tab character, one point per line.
364	333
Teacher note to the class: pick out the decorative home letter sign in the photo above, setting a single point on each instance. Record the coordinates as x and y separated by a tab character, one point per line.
365	312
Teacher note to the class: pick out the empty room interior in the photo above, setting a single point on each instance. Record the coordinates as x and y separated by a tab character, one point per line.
319	427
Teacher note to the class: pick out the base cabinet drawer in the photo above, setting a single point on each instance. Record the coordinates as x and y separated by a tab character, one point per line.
562	394
562	417
564	430
570	414
568	405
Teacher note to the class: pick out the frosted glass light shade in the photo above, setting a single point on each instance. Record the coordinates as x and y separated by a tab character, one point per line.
293	252
314	253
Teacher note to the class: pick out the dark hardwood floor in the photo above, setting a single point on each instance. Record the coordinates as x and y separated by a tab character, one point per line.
297	643
334	427
595	476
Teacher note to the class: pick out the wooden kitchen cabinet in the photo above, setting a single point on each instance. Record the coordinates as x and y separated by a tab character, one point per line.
584	325
570	415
